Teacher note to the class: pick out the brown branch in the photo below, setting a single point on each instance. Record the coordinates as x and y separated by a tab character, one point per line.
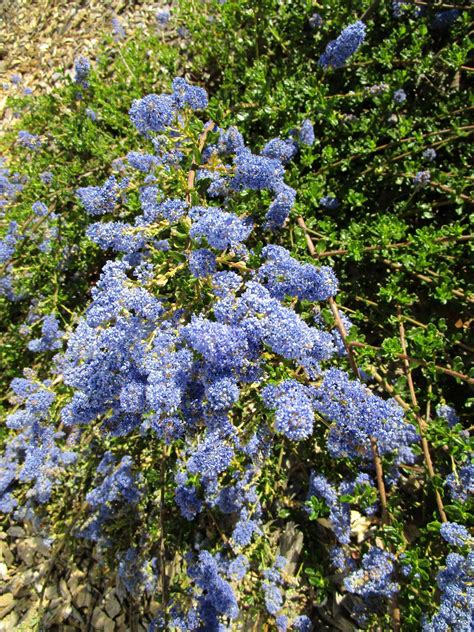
422	424
355	369
385	516
164	578
403	356
194	165
393	143
373	441
309	241
400	244
443	187
423	277
343	332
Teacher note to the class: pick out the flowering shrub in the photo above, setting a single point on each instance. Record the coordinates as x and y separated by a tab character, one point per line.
207	402
197	360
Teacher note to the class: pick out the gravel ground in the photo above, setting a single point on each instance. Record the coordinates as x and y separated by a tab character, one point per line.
38	37
41	591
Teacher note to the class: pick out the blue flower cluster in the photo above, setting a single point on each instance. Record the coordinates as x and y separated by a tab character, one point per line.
50	336
448	414
156	113
461	483
9	242
137	574
82	68
219	228
306	133
315	21
117	29
422	178
284	276
217	596
374	580
118	487
271	586
98	200
429	154
11	185
399	96
456	534
456	583
163	16
278	149
339	511
346	44
28	140
33	455
294	416
358	414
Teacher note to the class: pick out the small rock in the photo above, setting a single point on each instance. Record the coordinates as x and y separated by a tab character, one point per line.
6	554
360	525
42	546
9	623
112	606
63	589
291	545
16	532
109	626
7	603
55	603
26	551
76	615
6	600
100	620
83	598
51	592
64	612
75	582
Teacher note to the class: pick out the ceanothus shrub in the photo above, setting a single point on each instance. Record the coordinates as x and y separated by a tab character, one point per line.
196	361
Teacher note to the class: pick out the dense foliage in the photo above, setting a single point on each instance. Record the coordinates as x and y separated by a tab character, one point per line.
241	431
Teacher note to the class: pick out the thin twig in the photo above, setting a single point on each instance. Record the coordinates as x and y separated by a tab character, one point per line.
403	356
343	332
164	578
355	369
422	424
309	241
423	277
393	143
443	187
400	244
194	165
385	516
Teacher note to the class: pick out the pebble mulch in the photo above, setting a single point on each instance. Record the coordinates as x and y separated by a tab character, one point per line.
38	37
42	592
